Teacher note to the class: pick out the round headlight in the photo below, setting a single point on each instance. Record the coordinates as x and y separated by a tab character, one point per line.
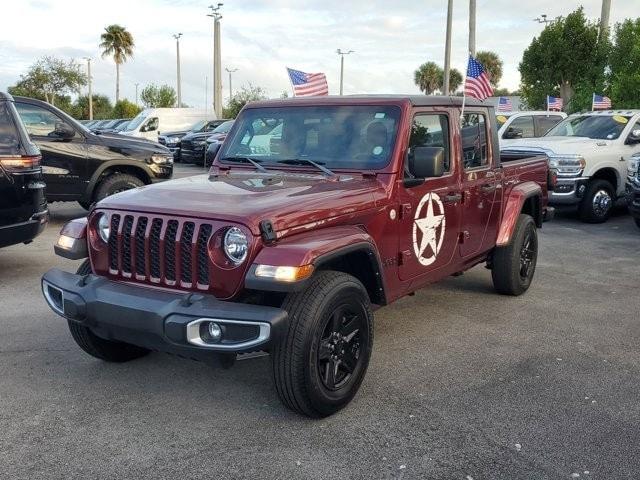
104	228
236	245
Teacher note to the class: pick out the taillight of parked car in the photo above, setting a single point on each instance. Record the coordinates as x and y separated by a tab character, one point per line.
14	163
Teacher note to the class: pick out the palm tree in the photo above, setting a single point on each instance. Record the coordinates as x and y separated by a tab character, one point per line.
455	80
428	77
116	41
493	66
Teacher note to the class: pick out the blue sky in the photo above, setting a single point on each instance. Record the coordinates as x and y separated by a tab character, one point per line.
261	38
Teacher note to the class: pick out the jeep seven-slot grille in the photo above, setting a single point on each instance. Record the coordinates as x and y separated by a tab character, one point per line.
162	251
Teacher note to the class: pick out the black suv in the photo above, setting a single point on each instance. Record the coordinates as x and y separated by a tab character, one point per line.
173	139
23	207
79	165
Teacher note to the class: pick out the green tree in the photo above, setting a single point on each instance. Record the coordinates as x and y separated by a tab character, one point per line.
126	109
624	64
428	77
246	94
118	43
492	65
50	79
455	80
163	96
102	107
567	59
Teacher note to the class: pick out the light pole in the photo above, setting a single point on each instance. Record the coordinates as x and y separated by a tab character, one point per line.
177	37
342	54
447	50
230	71
217	63
472	28
88	59
542	19
137	93
604	17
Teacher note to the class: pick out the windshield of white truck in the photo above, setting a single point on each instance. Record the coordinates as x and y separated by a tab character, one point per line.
349	137
601	127
136	122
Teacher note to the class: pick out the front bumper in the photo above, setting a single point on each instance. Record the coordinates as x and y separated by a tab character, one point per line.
25	231
159	320
633	199
194	155
568	191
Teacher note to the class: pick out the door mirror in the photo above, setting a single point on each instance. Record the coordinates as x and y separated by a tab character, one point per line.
64	131
512	133
634	137
426	162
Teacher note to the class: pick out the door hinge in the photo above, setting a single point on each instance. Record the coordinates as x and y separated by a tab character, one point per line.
464	236
405	210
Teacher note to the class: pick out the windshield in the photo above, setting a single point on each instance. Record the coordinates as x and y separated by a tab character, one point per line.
349	137
223	128
136	122
122	126
601	127
198	126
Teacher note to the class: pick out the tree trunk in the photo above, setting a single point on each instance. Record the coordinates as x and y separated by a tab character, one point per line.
117	82
566	92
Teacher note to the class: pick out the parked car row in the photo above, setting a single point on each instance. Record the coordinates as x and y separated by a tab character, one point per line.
107	126
173	140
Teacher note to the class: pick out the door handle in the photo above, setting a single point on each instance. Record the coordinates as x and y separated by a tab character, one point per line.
488	188
452	198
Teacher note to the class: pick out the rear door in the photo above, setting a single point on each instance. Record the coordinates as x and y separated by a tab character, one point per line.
480	181
430	212
64	161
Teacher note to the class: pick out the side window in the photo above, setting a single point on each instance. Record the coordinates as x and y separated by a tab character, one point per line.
546	123
474	140
521	127
38	121
431	130
9	141
151	125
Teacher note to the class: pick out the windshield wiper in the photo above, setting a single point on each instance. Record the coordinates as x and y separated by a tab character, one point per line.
245	160
306	161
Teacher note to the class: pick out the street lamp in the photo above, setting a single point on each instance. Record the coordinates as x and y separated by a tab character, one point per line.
177	37
342	54
542	19
230	84
217	63
136	84
88	59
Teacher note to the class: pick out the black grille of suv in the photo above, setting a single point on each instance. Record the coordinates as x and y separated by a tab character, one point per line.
158	250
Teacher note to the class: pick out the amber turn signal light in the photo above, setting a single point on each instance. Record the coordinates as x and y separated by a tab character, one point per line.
284	273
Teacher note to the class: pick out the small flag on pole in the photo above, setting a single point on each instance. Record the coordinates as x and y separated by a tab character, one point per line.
477	84
504	104
308	84
554	103
600	102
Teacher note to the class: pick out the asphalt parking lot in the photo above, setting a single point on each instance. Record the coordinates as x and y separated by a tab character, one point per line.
463	383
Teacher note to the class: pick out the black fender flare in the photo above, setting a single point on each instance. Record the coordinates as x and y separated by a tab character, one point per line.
97	175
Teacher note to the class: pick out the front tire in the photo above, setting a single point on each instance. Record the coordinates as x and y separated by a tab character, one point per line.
597	203
97	347
637	220
116	183
320	362
514	265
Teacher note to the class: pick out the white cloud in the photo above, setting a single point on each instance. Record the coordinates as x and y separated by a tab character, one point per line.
260	38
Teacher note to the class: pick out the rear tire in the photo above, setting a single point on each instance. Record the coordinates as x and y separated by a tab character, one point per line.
97	347
637	220
116	183
320	361
597	203
514	265
85	205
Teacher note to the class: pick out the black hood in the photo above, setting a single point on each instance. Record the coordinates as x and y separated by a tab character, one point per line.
124	142
198	136
180	133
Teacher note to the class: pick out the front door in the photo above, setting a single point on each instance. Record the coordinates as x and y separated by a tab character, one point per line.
430	211
64	161
480	181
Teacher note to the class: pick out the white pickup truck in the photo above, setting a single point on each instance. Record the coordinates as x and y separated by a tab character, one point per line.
589	152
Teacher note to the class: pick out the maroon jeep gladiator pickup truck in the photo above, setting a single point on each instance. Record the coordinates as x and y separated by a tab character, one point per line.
314	213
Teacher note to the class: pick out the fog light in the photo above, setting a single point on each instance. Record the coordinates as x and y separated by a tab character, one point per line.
215	332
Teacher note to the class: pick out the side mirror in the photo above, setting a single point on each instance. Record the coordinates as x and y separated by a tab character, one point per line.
512	133
426	162
64	131
634	137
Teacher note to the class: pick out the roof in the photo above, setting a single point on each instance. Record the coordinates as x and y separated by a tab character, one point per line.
629	111
530	112
415	100
6	96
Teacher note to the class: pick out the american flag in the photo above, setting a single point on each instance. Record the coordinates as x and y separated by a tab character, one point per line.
601	102
477	84
554	103
308	84
504	104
